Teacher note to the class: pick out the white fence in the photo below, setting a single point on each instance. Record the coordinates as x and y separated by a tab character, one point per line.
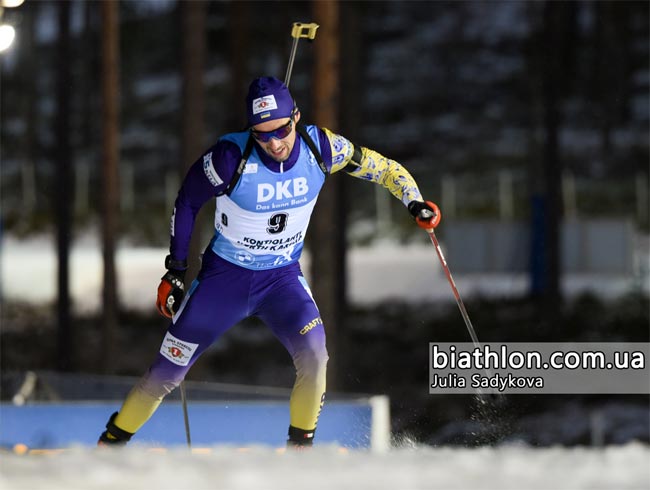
601	246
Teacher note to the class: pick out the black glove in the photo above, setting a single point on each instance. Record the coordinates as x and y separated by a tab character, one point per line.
171	288
426	214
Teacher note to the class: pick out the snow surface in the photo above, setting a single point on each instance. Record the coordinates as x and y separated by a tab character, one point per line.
382	272
263	468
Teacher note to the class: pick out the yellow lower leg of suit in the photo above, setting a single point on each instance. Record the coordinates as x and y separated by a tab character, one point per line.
138	407
308	393
305	404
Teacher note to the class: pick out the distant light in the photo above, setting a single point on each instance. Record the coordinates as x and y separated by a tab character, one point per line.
12	3
7	35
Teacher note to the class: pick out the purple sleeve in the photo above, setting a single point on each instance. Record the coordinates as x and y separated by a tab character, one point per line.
206	178
325	149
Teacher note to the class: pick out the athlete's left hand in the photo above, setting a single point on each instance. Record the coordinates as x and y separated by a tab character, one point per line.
426	214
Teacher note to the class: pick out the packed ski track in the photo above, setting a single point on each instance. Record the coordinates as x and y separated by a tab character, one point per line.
329	467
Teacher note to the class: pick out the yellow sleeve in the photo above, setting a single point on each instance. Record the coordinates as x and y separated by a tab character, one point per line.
374	167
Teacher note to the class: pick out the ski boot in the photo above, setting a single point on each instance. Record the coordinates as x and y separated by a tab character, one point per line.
300	439
113	435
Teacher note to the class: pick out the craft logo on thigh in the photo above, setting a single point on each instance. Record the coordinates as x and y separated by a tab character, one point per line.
176	350
311	325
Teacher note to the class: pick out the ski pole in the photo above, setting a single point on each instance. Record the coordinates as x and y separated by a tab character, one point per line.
299	31
463	312
459	301
186	417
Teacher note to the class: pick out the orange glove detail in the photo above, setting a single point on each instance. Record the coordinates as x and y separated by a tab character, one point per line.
170	294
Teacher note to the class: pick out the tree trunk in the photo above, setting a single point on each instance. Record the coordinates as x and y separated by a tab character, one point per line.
64	190
193	109
551	158
350	125
30	107
89	130
327	230
239	26
110	178
556	55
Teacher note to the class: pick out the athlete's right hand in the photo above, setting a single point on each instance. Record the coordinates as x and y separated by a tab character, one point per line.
171	289
426	214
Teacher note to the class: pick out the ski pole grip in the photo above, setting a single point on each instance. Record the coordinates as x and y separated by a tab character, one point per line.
304	31
428	219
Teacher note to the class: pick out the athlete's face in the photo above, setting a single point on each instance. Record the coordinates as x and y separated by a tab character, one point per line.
278	148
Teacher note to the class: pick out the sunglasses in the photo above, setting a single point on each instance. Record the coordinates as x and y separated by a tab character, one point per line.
279	133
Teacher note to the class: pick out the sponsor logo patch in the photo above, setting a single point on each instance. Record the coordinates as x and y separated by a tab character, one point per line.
282	190
250	168
176	350
311	325
210	172
263	104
